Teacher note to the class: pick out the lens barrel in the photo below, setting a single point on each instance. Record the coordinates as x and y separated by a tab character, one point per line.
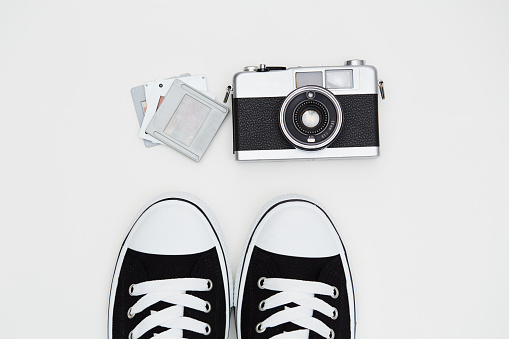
310	117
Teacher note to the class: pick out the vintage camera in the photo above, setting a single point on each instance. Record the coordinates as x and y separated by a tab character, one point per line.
306	112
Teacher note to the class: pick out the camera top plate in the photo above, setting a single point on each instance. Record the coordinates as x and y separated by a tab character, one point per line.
340	80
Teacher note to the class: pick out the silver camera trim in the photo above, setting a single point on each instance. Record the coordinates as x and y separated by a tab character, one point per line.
334	101
296	154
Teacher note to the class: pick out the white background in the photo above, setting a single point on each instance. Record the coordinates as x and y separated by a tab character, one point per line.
425	224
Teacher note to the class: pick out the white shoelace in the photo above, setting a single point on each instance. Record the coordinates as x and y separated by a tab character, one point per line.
303	294
172	291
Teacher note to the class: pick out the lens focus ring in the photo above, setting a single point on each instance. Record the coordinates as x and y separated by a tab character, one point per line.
310	122
305	115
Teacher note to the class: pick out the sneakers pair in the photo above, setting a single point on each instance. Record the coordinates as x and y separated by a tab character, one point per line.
173	280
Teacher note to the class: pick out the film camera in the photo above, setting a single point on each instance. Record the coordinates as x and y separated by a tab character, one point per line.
306	112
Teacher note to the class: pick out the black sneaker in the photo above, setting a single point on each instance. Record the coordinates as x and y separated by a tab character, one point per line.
172	278
294	280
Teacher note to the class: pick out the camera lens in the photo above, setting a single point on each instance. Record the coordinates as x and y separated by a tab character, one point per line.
310	117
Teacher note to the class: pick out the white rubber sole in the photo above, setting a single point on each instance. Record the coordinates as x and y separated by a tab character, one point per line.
247	251
218	241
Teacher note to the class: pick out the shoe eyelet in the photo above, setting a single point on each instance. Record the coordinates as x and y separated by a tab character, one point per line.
130	335
130	315
261	305
259	328
331	334
335	292
334	314
131	290
261	281
207	329
208	307
209	284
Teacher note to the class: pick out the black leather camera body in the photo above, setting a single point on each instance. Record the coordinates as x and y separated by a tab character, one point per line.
306	112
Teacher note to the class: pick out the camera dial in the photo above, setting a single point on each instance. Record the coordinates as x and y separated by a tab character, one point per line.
250	69
355	62
310	117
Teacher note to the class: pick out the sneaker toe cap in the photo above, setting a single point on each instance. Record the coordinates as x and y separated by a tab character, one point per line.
172	227
299	229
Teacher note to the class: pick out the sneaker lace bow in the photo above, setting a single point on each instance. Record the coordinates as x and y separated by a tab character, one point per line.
302	293
172	291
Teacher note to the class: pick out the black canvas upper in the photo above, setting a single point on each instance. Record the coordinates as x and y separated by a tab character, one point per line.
328	270
139	267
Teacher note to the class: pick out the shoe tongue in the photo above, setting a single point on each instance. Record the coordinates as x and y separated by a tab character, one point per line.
302	334
308	269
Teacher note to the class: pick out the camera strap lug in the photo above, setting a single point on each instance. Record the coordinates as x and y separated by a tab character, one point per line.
227	95
382	91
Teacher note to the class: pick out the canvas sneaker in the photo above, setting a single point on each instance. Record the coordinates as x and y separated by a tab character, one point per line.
172	277
294	280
